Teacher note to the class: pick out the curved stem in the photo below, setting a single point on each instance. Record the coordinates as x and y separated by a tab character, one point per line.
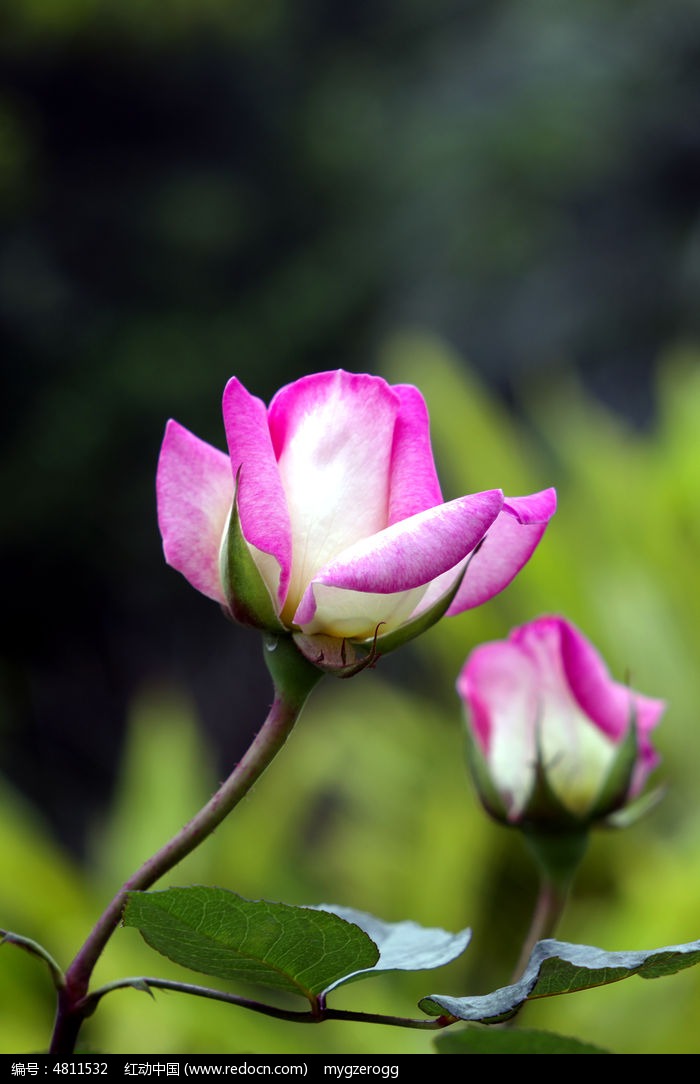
290	696
434	1023
146	984
558	856
7	937
549	907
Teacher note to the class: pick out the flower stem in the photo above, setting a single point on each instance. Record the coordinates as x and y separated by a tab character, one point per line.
294	1015
549	907
558	857
293	681
7	937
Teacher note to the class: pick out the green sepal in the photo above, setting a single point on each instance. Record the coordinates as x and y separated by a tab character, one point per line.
248	596
428	618
635	810
544	809
613	793
391	640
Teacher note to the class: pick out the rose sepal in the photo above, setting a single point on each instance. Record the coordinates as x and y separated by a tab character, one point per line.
544	810
556	839
547	813
617	784
635	810
427	618
248	597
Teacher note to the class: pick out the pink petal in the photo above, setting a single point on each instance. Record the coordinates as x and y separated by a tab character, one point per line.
194	490
608	703
329	398
357	615
499	686
414	482
509	544
332	434
261	499
408	554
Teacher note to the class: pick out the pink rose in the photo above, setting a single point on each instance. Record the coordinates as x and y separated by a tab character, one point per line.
326	518
552	735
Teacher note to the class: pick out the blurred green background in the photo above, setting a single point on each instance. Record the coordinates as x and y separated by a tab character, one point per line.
497	202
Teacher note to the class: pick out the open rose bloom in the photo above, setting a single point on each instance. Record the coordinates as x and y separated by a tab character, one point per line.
325	518
553	737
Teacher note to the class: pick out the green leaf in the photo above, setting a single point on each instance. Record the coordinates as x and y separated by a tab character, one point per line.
300	950
477	1039
403	946
557	967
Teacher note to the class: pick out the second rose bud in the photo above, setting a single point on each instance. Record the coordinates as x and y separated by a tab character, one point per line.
554	741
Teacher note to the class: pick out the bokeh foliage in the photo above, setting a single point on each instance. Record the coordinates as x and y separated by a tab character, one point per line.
194	188
368	805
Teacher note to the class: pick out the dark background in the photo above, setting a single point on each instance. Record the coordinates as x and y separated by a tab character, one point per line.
193	190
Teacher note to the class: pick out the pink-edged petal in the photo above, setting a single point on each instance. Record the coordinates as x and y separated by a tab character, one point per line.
194	490
414	481
576	752
499	687
607	702
261	499
332	434
408	554
357	615
325	396
509	545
